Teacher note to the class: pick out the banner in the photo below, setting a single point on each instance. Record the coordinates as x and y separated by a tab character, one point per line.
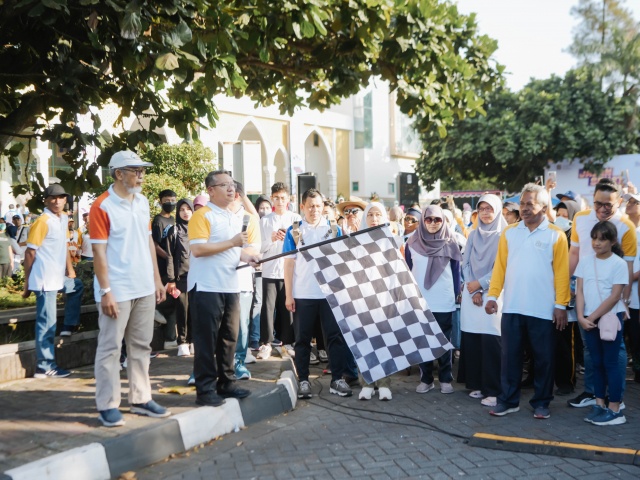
385	320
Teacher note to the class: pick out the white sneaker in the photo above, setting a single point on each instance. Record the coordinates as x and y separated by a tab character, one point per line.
183	350
290	351
384	393
264	353
313	360
249	358
159	318
365	393
170	345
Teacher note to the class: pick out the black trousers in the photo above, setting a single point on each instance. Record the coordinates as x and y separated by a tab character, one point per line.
304	319
183	314
216	321
542	336
565	362
274	313
633	332
479	367
445	320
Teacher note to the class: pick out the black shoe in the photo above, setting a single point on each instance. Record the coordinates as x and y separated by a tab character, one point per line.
583	400
209	400
231	390
562	391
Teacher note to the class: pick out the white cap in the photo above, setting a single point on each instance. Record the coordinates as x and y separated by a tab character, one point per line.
127	158
635	196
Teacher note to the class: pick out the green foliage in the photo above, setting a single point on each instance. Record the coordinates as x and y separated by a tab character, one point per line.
164	61
11	292
548	120
188	162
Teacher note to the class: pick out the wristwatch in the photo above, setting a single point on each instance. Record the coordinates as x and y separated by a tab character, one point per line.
104	291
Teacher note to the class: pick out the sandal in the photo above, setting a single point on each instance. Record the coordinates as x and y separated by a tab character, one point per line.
476	394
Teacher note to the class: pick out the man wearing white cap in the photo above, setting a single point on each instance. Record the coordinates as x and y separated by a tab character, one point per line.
127	287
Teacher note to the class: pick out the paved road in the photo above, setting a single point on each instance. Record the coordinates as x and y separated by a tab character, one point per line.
331	437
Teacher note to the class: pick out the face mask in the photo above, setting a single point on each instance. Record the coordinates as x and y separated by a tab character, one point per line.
168	207
563	223
3	227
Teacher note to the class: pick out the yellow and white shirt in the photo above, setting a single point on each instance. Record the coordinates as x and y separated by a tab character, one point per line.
583	223
533	269
48	237
215	273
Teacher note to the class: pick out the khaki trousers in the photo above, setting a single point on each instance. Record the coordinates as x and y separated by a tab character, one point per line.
135	325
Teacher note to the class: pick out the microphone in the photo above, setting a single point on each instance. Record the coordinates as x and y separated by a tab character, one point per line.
245	223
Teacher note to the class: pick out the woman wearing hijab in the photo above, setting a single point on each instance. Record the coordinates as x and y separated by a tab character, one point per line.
374	215
178	251
480	347
433	256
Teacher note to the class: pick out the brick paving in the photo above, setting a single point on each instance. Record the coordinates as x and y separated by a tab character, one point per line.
41	417
331	437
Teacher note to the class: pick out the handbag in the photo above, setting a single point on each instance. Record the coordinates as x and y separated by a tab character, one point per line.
609	324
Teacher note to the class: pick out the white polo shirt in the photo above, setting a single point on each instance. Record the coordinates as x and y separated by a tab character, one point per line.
48	237
214	273
583	223
125	227
533	268
305	285
245	275
268	224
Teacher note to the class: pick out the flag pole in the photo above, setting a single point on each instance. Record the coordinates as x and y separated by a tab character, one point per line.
319	244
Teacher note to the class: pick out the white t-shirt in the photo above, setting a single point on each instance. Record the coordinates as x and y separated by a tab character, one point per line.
441	297
635	300
612	271
268	224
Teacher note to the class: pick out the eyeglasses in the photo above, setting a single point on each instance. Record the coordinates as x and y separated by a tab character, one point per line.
351	211
410	220
228	186
485	210
430	220
139	172
606	206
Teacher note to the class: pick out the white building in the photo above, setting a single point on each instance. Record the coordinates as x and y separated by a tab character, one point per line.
356	148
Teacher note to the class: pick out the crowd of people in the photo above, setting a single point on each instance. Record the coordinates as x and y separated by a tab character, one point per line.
514	287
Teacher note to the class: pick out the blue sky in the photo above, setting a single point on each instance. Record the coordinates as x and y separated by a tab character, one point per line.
533	35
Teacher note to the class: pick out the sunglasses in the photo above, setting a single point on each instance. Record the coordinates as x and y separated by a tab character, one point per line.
351	211
429	220
410	220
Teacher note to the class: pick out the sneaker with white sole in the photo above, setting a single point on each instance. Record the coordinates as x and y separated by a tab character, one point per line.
609	417
56	372
192	380
242	372
446	388
596	411
489	401
111	417
290	351
366	393
583	400
170	344
183	350
322	356
313	360
150	409
264	353
304	390
425	387
249	358
384	393
501	410
340	387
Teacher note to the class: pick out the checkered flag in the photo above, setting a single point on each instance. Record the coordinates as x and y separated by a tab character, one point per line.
384	318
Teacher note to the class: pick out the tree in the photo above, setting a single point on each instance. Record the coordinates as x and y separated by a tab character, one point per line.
607	41
189	163
548	120
165	60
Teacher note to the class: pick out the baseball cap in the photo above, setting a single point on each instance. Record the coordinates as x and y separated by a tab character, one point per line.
200	200
569	194
127	158
512	207
635	196
54	190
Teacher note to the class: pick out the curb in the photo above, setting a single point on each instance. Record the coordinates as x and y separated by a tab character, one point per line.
177	434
